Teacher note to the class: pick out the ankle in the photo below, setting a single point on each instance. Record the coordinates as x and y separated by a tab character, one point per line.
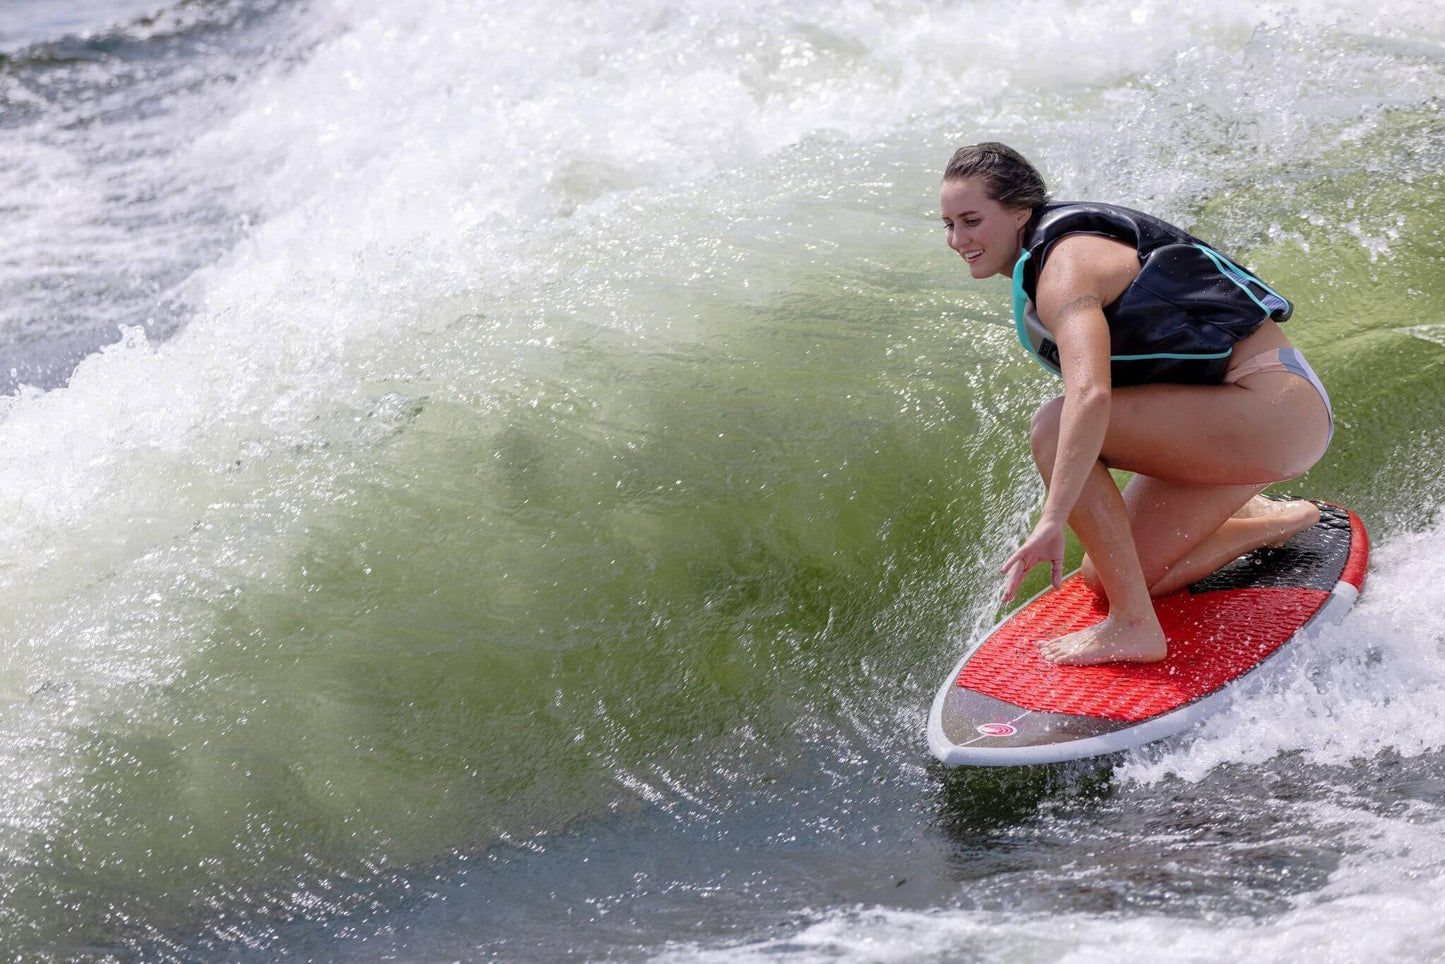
1135	619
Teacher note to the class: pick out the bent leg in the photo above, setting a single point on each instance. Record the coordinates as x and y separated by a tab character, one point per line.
1234	537
1172	521
1185	532
1131	631
1200	453
1265	428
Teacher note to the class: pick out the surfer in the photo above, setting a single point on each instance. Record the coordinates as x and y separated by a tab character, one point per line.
1174	368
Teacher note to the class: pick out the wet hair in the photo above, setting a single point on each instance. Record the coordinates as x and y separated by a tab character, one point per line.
1006	174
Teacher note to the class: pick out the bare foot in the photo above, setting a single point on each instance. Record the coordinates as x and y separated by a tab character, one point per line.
1286	519
1256	506
1111	641
1291	518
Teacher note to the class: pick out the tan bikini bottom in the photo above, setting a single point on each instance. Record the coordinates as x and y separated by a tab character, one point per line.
1283	360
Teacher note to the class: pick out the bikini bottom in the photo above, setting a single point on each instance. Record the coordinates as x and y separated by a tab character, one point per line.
1283	360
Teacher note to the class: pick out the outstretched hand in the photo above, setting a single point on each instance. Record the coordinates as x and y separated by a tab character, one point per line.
1044	544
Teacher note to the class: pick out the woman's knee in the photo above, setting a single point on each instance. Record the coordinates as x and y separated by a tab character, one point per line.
1296	438
1296	464
1293	459
1044	433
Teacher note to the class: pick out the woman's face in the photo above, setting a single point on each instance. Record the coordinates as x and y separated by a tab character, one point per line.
981	230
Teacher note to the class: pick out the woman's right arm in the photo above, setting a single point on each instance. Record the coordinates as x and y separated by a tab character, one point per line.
1083	274
1076	283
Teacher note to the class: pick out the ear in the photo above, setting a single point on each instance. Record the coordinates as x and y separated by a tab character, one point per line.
1021	216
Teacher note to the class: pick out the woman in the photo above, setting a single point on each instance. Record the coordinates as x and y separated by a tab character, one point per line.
1174	368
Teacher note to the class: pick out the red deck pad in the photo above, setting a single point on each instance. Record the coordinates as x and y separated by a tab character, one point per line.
1213	638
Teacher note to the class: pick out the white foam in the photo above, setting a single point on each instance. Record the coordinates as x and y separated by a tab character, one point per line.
1375	681
1391	923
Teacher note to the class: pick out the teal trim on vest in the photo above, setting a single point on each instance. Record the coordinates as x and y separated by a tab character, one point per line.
1021	300
1183	356
1240	277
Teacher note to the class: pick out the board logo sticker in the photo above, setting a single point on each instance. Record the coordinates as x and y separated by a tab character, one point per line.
996	729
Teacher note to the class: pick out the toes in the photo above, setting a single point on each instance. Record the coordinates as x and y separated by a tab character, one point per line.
1060	649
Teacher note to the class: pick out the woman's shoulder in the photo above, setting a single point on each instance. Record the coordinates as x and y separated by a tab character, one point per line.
1091	262
1056	219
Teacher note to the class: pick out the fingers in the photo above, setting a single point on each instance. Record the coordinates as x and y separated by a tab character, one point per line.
1012	586
1013	560
1017	567
1023	560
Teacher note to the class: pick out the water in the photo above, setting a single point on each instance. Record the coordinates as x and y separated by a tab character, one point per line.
505	481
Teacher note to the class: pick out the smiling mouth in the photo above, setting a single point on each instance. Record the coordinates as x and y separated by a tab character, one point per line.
972	256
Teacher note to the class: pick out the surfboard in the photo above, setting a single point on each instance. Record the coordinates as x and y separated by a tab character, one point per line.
1005	705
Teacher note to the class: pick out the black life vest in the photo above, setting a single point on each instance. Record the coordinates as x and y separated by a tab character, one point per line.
1179	319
